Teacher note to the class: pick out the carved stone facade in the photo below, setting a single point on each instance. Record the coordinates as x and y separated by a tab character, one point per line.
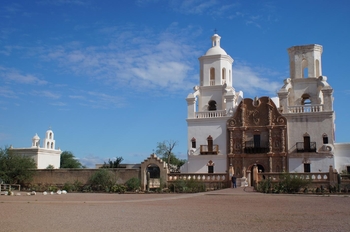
257	137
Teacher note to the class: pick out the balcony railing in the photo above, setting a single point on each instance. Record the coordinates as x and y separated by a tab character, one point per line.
211	114
305	109
254	148
206	150
302	147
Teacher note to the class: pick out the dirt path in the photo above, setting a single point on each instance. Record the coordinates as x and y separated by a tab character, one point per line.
222	210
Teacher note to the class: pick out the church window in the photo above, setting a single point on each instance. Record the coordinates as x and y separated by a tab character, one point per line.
212	105
210	169
306	102
50	136
51	145
305	71
201	77
307	167
47	145
193	141
212	76
223	76
306	143
317	68
325	139
210	144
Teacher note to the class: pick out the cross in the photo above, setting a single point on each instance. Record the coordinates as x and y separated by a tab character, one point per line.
215	30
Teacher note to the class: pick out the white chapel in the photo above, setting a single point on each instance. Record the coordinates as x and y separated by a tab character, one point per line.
44	156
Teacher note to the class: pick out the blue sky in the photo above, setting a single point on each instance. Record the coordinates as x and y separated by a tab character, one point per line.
111	77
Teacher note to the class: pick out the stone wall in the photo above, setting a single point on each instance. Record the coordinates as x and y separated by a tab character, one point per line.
62	176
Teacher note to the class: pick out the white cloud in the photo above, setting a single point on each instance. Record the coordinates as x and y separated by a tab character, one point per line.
12	75
90	161
46	93
6	92
254	81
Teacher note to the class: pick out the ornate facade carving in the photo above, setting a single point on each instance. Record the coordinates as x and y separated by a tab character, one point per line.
257	136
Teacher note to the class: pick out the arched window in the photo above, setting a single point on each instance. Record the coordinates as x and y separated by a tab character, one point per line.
307	146
317	68
212	76
325	138
223	76
50	136
212	105
47	145
306	102
52	145
305	70
193	141
230	77
210	144
201	77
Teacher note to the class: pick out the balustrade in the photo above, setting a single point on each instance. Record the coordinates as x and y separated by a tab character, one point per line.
305	109
207	177
211	114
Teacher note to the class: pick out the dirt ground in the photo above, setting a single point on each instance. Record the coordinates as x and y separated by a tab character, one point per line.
222	210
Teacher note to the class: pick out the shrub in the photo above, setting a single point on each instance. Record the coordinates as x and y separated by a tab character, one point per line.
288	183
101	180
187	186
118	188
133	184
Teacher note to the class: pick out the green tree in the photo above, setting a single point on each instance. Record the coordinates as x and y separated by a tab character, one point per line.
15	169
113	164
165	151
68	160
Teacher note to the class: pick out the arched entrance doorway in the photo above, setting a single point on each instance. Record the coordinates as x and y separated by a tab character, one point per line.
153	176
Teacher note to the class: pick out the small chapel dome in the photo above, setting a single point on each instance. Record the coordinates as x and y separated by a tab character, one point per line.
36	137
215	49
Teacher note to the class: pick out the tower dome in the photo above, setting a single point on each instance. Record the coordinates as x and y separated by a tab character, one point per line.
36	141
215	49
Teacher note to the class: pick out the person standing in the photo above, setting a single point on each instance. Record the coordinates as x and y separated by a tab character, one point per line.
233	182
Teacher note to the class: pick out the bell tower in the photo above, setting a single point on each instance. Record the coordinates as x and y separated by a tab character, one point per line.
306	100
213	101
49	142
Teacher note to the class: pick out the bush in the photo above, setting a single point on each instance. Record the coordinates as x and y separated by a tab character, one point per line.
187	186
288	183
133	184
102	180
118	188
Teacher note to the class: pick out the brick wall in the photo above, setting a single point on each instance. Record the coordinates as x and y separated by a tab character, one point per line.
62	176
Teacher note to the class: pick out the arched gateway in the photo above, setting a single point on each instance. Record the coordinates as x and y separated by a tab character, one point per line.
154	173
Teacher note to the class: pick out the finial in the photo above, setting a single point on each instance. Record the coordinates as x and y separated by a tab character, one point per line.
215	31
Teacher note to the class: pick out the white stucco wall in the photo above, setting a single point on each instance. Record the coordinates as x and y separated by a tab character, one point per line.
198	164
48	157
342	156
315	125
316	164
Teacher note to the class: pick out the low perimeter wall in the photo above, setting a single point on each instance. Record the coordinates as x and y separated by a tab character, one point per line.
62	176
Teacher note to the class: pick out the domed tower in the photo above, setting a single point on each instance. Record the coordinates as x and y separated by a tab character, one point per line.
213	101
36	141
49	142
306	100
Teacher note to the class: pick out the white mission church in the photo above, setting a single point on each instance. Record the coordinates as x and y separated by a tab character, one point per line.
293	132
